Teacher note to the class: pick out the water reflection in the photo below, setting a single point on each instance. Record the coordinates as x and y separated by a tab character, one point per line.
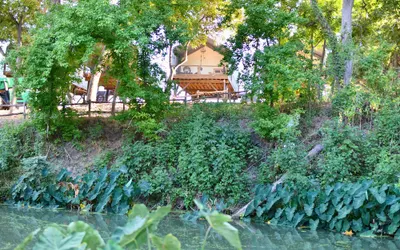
16	224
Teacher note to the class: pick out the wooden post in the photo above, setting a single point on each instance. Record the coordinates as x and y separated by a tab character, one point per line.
114	99
24	110
89	107
123	105
107	93
185	98
225	96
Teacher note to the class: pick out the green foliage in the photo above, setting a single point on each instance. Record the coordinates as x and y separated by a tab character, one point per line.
269	123
99	191
137	233
104	160
288	158
201	153
354	105
344	154
385	146
219	222
17	142
373	73
360	207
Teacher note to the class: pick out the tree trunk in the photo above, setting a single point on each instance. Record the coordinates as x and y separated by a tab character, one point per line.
13	98
172	68
347	10
114	99
321	67
333	44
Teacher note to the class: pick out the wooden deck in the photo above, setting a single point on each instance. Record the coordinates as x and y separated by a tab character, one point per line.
192	83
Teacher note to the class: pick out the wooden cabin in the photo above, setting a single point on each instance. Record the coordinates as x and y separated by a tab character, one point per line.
202	73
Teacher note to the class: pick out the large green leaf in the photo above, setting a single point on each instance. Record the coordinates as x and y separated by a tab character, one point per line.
250	209
219	222
311	195
278	213
128	234
112	245
344	212
393	227
313	224
345	225
381	216
394	208
358	201
368	234
169	242
380	196
271	201
366	218
323	207
289	211
103	201
356	225
297	219
328	190
92	237
53	239
138	210
259	211
116	197
156	216
128	189
338	225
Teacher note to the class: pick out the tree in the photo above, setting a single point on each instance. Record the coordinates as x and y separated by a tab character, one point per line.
265	50
69	37
347	10
16	16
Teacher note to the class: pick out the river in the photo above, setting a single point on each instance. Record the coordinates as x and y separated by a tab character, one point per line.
16	224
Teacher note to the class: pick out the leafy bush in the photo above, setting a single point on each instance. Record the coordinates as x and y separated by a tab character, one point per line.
202	153
138	232
385	145
359	207
288	158
344	155
270	124
17	142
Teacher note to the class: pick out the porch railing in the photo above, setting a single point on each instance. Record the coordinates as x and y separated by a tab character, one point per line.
201	70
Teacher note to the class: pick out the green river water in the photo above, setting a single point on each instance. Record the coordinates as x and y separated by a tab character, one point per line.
16	224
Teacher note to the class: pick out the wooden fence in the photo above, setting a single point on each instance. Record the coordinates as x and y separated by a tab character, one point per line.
219	96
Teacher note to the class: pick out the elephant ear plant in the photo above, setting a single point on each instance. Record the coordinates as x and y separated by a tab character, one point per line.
358	207
138	233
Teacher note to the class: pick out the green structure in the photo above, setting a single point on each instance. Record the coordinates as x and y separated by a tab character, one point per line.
6	90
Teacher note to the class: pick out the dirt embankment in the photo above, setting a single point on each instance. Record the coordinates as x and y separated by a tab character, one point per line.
101	144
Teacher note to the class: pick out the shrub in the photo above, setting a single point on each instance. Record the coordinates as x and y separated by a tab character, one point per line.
199	154
343	158
385	145
17	142
270	124
288	158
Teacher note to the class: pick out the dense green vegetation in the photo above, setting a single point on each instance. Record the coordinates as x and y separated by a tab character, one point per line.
358	207
306	89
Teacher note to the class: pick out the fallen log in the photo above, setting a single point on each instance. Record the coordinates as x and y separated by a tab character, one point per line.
315	151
